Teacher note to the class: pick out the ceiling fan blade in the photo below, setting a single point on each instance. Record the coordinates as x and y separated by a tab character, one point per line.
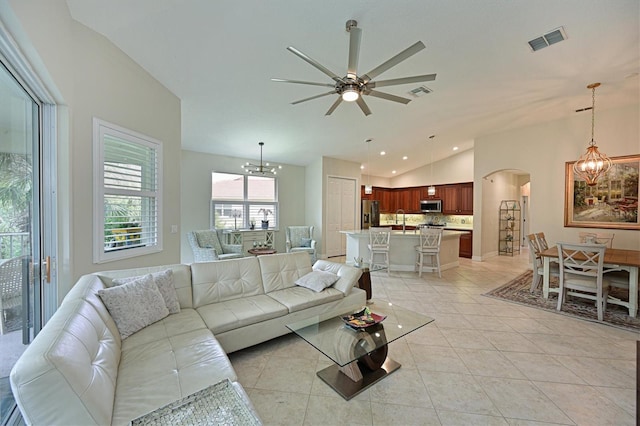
405	80
405	54
333	92
313	62
334	105
281	80
387	96
363	106
355	34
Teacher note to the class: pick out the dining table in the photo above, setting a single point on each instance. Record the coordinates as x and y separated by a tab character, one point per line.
619	259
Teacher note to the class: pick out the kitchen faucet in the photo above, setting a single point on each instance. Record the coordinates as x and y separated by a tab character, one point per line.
404	222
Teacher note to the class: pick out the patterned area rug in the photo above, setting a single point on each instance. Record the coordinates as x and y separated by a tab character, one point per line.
219	404
517	290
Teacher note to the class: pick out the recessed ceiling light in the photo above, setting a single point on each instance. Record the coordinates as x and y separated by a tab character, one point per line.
362	167
455	148
383	153
405	157
393	171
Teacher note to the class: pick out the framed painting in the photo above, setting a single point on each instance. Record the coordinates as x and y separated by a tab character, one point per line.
611	203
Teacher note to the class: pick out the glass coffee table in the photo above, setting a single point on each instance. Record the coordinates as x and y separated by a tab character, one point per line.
360	355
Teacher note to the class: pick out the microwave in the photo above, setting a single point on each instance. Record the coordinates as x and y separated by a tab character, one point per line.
431	206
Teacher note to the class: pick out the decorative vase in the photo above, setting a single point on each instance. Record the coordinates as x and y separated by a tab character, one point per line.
265	224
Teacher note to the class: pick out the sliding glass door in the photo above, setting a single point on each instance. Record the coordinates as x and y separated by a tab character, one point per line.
21	256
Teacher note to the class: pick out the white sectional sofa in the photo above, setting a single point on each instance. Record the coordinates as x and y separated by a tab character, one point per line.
79	371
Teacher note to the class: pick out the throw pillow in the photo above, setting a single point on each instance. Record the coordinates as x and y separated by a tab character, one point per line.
305	242
134	305
317	280
164	281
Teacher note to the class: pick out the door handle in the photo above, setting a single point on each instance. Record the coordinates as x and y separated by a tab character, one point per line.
47	268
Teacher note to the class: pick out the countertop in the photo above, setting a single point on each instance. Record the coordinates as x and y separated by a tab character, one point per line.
365	232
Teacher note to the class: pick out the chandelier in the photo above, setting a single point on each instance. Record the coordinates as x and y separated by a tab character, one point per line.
593	163
264	169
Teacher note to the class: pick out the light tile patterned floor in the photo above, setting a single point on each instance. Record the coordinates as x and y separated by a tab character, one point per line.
482	361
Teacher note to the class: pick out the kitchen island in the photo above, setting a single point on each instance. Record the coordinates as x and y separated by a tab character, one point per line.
402	252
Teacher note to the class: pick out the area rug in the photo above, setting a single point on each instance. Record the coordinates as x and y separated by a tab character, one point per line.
219	404
517	291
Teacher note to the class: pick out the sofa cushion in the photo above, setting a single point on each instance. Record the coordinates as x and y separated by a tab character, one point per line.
298	298
134	305
230	314
280	271
157	373
184	321
209	239
181	279
164	281
317	280
349	275
215	282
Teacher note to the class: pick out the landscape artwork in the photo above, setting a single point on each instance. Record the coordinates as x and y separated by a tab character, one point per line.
611	203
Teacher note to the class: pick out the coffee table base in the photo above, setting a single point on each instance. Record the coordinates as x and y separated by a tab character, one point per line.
346	387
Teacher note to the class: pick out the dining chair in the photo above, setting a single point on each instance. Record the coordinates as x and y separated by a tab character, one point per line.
379	246
430	239
537	263
582	274
542	241
596	238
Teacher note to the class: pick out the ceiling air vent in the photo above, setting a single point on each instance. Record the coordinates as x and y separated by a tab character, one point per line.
419	91
552	37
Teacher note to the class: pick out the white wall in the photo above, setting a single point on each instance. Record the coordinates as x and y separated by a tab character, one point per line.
542	151
90	77
196	195
455	169
313	201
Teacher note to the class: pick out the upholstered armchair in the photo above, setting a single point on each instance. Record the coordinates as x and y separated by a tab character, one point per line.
300	238
207	245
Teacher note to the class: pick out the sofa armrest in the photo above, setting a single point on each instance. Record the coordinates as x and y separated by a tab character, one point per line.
349	275
204	254
231	248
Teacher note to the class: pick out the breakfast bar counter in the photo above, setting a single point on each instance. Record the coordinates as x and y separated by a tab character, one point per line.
402	252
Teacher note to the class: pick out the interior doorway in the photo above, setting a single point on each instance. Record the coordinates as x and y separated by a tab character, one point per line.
340	214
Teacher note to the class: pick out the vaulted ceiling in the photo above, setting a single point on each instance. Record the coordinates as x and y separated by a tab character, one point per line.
219	57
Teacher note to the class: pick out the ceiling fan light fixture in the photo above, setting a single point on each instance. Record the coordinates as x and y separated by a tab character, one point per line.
350	94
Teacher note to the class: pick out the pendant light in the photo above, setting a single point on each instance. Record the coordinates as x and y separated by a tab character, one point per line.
593	163
263	169
368	189
431	190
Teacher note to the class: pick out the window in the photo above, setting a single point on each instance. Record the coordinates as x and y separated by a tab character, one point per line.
127	193
239	200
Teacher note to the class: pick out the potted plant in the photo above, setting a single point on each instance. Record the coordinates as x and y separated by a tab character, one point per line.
265	221
235	214
252	224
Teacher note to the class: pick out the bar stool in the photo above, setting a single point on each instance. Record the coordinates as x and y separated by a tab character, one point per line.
379	246
430	240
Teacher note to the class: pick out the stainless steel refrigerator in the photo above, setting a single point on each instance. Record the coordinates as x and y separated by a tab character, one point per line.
370	214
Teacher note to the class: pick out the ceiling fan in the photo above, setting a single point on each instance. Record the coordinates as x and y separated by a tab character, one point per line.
353	87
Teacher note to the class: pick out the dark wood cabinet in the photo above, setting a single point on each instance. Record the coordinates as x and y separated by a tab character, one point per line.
466	245
457	199
424	193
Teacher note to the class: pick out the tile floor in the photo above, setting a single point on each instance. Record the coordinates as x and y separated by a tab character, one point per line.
482	361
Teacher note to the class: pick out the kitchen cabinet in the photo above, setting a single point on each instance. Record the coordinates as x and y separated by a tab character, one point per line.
408	199
424	193
457	199
466	245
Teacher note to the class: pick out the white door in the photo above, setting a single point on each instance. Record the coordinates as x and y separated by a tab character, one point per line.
340	213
